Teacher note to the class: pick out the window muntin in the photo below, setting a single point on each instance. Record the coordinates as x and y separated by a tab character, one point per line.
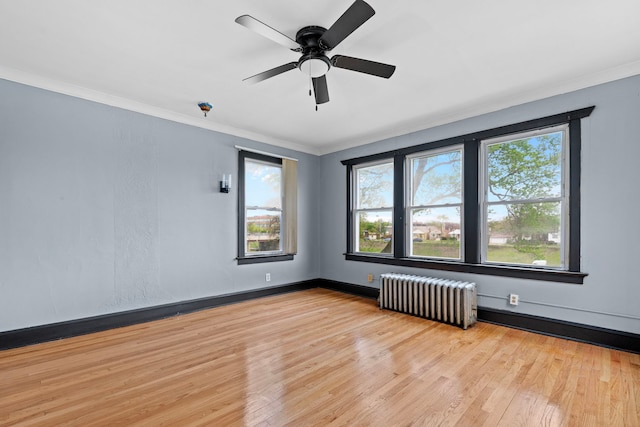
373	208
435	204
525	200
475	215
262	208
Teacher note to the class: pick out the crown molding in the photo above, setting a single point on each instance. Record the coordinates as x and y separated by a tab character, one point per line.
483	106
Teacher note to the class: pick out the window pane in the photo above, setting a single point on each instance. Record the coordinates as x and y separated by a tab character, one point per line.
436	179
375	186
525	233
263	231
375	231
435	232
525	168
262	184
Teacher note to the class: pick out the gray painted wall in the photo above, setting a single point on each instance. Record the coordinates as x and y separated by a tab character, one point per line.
610	296
104	210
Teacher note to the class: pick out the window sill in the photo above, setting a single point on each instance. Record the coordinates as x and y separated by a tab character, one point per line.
492	270
264	258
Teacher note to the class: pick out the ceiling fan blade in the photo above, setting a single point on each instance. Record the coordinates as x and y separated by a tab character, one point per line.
357	14
320	89
264	30
271	73
363	66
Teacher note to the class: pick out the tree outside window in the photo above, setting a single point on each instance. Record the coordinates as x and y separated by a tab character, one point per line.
524	202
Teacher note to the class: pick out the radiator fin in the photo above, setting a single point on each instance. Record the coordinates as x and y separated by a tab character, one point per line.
448	301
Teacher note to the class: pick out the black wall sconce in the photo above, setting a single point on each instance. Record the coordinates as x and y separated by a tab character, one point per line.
225	183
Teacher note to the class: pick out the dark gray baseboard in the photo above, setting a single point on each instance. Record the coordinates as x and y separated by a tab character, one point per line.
573	331
363	291
562	329
71	328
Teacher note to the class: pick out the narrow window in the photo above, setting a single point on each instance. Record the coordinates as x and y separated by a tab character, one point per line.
373	212
263	207
267	205
525	199
435	204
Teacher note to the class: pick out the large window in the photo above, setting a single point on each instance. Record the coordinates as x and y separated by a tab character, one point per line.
503	201
525	199
267	208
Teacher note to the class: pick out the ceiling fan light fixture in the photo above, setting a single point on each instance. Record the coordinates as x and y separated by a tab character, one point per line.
314	66
312	42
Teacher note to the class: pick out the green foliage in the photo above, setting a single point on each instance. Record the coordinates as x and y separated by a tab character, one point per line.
533	220
253	228
378	227
525	168
531	247
272	228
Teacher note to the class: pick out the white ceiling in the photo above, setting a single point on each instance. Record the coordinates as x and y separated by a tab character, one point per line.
454	59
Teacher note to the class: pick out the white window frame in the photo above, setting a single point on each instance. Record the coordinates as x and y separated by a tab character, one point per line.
563	199
280	249
408	199
357	211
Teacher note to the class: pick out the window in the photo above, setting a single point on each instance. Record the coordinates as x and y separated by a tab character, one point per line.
503	201
373	213
525	199
435	204
267	208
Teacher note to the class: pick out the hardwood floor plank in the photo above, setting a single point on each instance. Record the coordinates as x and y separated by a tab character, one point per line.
316	357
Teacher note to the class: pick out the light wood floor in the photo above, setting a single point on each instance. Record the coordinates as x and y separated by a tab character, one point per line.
316	358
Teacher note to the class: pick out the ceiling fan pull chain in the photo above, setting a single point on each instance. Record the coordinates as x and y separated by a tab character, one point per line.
309	86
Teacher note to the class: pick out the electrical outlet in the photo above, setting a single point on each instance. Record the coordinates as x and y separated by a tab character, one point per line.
514	299
370	278
267	277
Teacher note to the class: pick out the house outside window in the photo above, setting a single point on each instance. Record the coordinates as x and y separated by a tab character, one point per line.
503	201
373	213
435	203
525	200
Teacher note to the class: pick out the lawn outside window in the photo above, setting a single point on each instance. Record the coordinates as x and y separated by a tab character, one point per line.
373	213
525	199
503	201
434	184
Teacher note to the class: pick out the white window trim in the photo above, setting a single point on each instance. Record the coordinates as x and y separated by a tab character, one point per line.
563	199
265	208
408	199
356	211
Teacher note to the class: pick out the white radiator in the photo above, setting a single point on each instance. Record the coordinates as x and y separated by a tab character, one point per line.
448	301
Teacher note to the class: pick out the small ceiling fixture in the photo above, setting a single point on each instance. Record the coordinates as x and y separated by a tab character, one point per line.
313	41
205	107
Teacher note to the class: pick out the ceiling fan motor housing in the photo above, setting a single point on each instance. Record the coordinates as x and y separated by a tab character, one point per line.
313	62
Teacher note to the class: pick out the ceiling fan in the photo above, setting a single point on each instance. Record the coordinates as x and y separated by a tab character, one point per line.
313	42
